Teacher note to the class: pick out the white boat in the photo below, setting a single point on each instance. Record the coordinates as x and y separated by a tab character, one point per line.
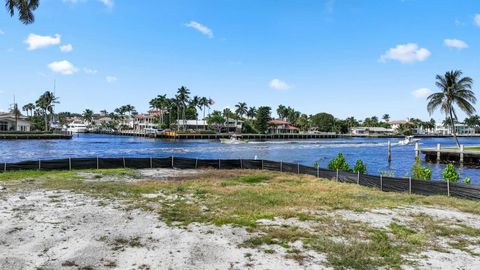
234	139
77	127
408	140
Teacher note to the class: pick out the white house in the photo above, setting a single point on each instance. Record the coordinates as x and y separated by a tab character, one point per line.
460	129
8	122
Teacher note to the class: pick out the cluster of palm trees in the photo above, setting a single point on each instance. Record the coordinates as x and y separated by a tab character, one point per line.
180	105
43	107
24	8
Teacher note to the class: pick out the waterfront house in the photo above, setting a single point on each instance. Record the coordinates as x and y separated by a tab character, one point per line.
147	120
395	124
371	131
8	122
279	126
460	129
192	124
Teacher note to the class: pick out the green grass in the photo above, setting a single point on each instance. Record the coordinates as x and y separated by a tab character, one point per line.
241	198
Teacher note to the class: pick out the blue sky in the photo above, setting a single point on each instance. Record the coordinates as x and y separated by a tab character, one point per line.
345	57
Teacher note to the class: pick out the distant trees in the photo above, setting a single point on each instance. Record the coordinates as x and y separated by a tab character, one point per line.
29	107
24	8
263	116
324	122
454	90
241	109
88	115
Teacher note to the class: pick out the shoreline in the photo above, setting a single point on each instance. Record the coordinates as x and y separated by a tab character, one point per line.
33	136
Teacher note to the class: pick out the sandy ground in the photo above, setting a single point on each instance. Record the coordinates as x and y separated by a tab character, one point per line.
62	230
44	229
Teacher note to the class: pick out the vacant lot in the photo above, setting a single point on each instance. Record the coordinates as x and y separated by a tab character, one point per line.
170	219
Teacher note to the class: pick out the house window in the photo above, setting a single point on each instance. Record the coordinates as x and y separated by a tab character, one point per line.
3	126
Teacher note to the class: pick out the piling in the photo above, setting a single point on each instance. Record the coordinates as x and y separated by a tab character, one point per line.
438	152
417	150
389	154
461	153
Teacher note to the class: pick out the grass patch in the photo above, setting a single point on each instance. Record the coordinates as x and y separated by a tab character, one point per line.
241	198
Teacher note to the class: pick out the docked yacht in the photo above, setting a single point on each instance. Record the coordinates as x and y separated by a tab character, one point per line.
409	140
77	127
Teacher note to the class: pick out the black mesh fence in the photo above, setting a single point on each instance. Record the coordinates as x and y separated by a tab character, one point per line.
470	191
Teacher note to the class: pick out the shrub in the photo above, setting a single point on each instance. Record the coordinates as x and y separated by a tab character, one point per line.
467	180
315	164
339	163
419	172
450	174
360	167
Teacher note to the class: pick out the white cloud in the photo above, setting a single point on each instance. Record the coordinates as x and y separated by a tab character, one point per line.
279	85
36	41
406	53
422	93
66	48
455	43
90	71
111	79
476	20
63	67
108	3
1	32
201	28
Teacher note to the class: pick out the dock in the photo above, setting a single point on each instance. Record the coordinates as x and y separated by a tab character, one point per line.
451	155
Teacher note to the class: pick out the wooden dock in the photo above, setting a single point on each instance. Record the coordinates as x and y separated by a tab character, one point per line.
451	155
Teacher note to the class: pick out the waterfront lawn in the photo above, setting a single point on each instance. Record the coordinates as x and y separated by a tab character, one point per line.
250	198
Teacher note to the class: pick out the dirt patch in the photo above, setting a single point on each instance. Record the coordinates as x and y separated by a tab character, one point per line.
58	229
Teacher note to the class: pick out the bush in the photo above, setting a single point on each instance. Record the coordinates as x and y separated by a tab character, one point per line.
467	180
315	164
450	174
419	172
360	167
339	163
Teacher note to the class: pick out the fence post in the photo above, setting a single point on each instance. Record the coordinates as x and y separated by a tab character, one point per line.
410	185
5	167
358	178
219	166
381	182
336	176
98	165
448	188
281	165
298	168
196	163
151	163
318	171
39	164
438	152
172	162
69	164
241	163
262	164
123	159
461	153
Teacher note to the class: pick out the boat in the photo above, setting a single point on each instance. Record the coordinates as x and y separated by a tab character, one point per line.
409	140
234	139
77	127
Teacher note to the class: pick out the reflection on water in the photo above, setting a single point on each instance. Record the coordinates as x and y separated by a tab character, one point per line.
373	151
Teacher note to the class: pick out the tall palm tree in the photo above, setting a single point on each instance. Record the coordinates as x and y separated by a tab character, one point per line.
87	115
204	101
454	90
46	103
183	97
28	108
196	104
252	111
241	109
24	9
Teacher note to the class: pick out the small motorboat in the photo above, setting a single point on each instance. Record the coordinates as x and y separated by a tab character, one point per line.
409	140
234	139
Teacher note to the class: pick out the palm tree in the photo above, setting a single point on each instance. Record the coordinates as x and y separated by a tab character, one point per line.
24	9
386	118
88	115
183	97
205	103
46	103
160	103
196	104
454	90
28	108
241	109
251	112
